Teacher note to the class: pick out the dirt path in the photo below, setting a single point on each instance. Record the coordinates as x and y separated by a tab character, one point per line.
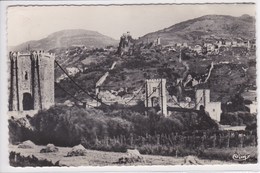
103	78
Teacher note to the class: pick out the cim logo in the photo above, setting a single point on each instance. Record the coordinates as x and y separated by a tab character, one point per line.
240	157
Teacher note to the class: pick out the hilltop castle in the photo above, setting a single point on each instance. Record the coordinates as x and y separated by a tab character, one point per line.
31	81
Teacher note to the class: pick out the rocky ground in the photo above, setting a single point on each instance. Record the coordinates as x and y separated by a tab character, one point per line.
101	158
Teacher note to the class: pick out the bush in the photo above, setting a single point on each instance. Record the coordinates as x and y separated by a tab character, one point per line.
178	151
66	126
237	118
18	132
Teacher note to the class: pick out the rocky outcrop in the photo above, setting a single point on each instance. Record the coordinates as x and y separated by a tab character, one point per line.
78	150
132	156
50	148
26	144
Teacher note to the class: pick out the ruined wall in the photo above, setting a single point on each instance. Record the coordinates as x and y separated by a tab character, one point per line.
31	81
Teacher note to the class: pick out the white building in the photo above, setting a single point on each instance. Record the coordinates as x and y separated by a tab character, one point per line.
253	107
251	96
197	48
210	47
228	43
213	108
72	70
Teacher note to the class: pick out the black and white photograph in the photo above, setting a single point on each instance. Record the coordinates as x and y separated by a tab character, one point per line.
132	85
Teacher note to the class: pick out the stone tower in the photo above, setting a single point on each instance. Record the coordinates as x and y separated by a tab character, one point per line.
31	81
156	94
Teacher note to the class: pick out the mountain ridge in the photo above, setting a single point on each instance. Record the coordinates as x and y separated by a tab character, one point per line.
67	38
205	27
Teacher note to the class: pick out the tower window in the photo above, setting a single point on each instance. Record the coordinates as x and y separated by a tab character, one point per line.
26	75
154	89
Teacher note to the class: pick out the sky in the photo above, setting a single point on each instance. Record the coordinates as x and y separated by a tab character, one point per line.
36	22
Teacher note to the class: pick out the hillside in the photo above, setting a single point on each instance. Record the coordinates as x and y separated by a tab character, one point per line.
68	38
234	67
205	28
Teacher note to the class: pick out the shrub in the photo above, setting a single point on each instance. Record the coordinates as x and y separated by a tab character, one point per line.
18	132
237	118
65	126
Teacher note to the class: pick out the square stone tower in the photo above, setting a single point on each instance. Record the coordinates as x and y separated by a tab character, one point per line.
155	94
31	81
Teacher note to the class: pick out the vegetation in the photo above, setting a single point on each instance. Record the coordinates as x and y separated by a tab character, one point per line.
238	118
66	126
112	129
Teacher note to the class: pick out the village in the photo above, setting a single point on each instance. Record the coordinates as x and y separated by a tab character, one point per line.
159	93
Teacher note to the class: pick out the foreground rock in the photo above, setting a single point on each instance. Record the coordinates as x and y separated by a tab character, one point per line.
191	160
132	156
26	144
50	148
78	150
18	160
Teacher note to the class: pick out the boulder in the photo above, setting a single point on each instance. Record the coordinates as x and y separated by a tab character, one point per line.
50	148
191	160
77	150
26	144
132	156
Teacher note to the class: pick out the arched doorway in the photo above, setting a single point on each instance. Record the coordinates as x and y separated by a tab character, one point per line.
155	101
27	101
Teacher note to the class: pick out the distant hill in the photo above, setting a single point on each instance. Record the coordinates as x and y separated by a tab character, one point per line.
68	38
206	28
